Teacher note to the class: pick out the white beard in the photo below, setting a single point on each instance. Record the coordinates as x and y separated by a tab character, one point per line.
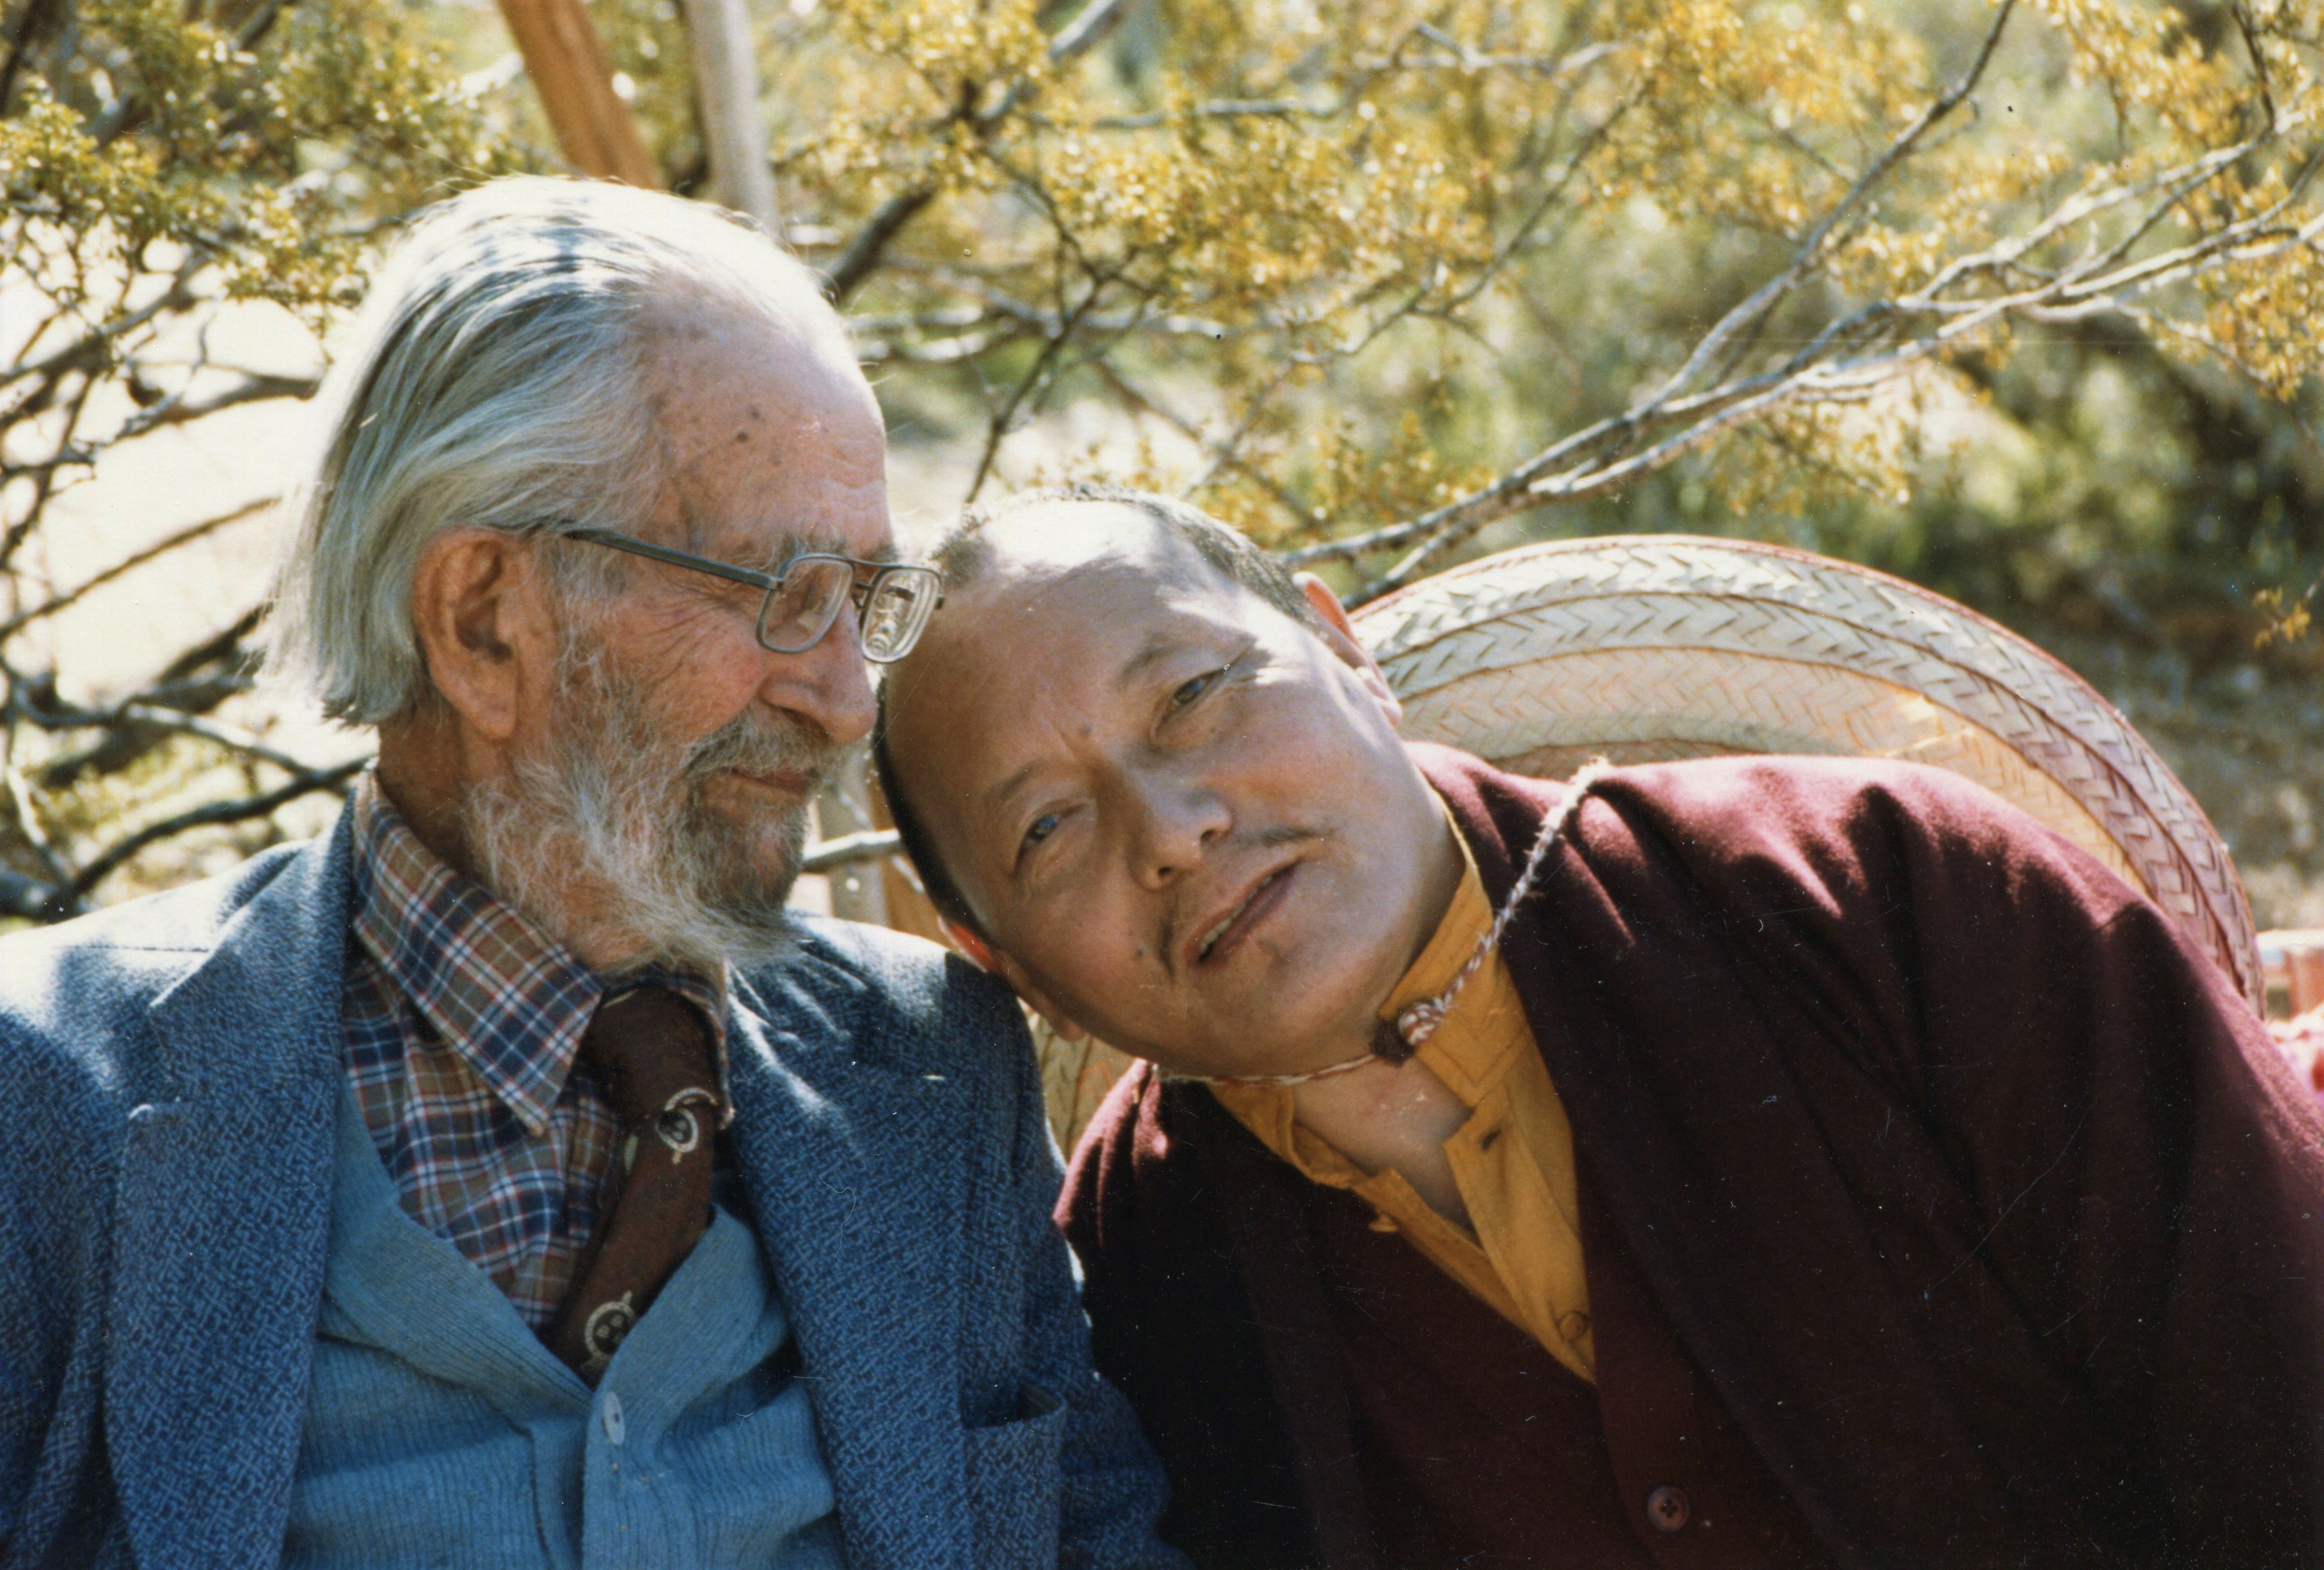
607	840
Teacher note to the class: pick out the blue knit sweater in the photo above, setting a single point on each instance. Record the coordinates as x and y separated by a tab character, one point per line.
441	1432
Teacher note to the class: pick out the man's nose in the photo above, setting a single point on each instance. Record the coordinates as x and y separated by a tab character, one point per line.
1177	820
828	685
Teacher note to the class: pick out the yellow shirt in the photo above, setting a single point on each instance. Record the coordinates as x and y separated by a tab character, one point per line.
1513	1159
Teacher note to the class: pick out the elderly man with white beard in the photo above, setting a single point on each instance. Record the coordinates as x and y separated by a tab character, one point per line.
506	1179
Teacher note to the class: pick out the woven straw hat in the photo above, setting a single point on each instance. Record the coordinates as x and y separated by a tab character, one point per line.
1647	647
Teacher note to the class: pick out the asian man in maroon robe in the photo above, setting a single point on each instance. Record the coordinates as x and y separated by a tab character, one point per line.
1748	1161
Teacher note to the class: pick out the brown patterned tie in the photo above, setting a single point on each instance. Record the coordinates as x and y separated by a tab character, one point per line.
651	1050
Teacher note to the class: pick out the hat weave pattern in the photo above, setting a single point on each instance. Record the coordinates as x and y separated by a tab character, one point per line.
1643	649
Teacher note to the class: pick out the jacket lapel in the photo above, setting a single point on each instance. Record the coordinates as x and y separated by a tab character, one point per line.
833	1130
221	1229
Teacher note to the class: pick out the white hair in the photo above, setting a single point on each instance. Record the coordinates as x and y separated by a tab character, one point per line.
493	381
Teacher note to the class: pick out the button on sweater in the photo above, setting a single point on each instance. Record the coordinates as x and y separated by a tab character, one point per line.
441	1432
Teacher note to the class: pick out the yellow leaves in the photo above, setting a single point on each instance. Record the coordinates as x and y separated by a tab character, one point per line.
51	165
1358	482
2266	312
2146	61
1983	189
266	159
2279	625
1257	213
967	51
1236	201
1808	454
1355	472
1761	114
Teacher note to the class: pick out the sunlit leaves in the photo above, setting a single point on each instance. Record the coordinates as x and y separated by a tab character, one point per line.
1307	191
265	143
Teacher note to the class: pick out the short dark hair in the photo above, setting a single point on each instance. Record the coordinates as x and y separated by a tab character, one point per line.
963	555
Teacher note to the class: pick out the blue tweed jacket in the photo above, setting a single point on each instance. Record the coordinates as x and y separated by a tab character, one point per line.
168	1076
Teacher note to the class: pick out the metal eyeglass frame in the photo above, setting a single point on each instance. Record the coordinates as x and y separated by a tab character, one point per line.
862	593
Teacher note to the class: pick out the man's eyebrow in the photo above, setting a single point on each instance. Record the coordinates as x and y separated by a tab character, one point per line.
1158	646
806	542
814	543
998	796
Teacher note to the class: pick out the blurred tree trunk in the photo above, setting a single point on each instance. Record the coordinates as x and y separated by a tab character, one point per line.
726	82
567	61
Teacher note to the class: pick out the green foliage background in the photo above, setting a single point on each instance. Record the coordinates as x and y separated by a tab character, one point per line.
1325	265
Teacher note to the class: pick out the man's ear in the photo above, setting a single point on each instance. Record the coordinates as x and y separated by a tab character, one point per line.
982	955
480	608
1339	636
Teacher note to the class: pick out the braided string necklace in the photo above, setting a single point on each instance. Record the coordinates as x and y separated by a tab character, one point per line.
1416	1022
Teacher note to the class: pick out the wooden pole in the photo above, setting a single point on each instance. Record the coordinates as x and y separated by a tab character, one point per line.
858	892
567	61
726	86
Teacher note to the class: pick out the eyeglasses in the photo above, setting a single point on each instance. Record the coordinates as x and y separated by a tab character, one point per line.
893	606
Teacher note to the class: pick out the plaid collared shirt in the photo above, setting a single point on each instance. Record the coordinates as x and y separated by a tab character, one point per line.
463	1020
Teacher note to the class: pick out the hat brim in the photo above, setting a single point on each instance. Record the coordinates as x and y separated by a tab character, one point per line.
1643	649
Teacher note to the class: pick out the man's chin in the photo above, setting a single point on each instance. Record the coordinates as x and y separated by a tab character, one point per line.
1267	1046
754	867
1298	1012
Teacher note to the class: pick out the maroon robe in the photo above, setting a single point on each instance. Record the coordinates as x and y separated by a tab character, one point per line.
1961	1208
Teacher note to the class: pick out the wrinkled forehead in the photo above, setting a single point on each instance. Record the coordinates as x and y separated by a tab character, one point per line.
772	443
1078	587
1047	637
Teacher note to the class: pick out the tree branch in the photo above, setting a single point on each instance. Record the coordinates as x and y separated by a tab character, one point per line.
862	256
863	253
130	563
242	810
1844	361
1036	375
230	737
1810	252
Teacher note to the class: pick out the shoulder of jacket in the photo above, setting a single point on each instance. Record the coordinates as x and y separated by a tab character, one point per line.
73	996
862	979
877	955
1835	780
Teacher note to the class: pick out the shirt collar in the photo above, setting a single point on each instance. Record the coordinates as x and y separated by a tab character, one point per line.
511	1000
1469	1049
1465	920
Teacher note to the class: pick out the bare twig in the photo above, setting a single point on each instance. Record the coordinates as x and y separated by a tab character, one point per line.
28	824
230	737
209	815
181	408
192	682
2242	13
849	849
86	352
862	257
1219	109
1219	455
1090	25
863	254
130	562
1036	375
1809	253
29	899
